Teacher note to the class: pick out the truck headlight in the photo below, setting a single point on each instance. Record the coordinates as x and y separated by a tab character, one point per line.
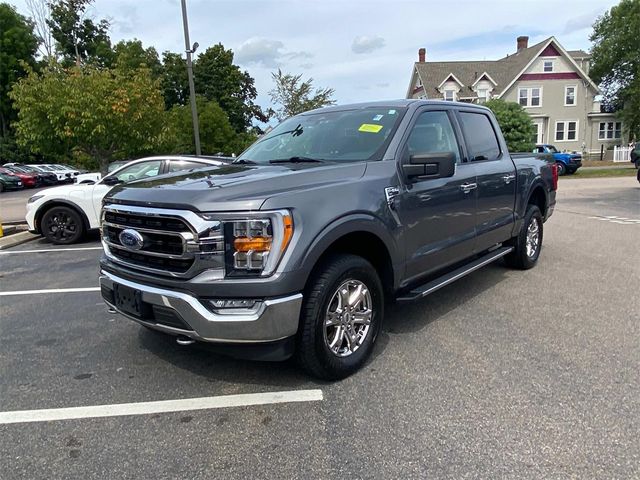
255	243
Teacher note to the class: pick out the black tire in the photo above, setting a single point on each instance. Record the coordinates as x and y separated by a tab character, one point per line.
62	225
562	169
520	258
313	353
1	187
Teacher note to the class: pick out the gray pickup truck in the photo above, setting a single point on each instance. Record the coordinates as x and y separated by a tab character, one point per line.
297	246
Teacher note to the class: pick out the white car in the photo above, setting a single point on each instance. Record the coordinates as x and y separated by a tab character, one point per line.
64	174
64	214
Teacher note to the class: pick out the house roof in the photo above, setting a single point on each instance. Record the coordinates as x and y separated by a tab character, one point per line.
503	71
579	54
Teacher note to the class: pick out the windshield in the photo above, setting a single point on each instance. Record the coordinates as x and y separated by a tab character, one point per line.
552	149
338	136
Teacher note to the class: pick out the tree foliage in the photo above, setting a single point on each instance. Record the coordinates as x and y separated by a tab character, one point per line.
174	83
130	55
615	60
515	123
18	45
106	114
216	133
217	78
293	96
78	38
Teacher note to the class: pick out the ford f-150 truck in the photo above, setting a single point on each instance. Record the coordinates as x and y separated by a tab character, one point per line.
296	247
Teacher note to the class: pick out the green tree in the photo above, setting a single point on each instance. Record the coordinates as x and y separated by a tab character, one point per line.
130	55
615	60
175	84
107	114
217	78
293	96
216	133
78	38
515	123
18	45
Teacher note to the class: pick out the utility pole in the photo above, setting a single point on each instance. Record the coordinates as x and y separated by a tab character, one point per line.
192	89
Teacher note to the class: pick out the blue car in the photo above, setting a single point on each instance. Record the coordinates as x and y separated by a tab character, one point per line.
567	162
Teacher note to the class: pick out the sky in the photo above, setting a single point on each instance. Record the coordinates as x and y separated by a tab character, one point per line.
364	49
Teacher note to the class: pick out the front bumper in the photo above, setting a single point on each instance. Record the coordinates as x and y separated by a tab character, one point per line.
178	313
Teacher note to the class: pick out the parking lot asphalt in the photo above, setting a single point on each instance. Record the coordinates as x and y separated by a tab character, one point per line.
13	204
503	374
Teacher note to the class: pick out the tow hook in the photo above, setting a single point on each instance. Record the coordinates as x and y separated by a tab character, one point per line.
182	340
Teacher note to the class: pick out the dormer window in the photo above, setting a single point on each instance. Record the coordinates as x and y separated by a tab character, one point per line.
483	94
450	95
548	66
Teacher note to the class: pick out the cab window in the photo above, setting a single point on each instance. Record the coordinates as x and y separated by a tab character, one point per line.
433	133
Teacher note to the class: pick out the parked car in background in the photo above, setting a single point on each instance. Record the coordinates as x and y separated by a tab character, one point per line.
9	181
29	180
64	214
44	178
635	156
567	162
63	177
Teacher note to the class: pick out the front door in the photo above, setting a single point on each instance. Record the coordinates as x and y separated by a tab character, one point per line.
496	179
438	215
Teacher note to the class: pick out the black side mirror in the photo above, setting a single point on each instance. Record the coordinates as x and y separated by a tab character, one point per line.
111	180
430	165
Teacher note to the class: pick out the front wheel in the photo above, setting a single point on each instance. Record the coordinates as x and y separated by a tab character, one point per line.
562	169
62	225
528	243
341	317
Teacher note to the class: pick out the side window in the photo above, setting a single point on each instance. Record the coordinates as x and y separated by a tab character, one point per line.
433	133
179	165
482	142
140	170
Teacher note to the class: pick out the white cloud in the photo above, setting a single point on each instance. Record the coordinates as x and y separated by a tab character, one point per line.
365	44
261	52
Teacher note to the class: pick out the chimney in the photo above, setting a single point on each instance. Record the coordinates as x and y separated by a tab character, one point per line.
422	55
523	42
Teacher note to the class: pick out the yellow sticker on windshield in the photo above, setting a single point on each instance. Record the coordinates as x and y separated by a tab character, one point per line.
370	127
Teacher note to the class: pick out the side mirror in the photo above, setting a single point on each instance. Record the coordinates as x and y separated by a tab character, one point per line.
430	165
111	180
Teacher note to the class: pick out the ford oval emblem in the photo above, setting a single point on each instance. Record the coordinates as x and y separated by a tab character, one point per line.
131	239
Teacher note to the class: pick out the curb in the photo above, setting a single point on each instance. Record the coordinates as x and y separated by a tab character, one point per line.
16	239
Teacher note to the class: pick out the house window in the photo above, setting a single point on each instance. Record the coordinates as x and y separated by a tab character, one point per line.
548	66
449	95
530	96
566	131
482	95
610	130
570	96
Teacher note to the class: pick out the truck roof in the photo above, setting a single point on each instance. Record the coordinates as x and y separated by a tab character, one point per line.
399	103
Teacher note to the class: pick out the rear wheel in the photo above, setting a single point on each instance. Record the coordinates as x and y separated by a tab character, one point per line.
341	317
562	169
62	225
528	243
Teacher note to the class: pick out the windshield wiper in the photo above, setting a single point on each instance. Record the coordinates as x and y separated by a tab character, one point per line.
297	160
244	161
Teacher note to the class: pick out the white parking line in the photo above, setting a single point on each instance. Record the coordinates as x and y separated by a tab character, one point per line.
164	406
49	290
44	250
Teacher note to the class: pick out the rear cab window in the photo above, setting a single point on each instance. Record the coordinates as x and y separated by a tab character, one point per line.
481	139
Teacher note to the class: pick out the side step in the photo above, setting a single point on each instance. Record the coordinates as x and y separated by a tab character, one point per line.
430	287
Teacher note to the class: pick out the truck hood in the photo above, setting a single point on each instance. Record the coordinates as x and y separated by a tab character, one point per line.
234	187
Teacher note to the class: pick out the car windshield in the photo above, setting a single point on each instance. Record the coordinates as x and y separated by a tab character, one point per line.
552	149
335	136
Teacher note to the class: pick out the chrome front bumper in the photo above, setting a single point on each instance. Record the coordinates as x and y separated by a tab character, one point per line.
268	321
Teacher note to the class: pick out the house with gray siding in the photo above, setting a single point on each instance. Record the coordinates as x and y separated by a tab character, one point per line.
551	83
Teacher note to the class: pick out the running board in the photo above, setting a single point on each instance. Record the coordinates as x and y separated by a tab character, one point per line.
430	287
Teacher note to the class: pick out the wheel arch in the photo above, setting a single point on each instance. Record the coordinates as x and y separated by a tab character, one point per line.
60	203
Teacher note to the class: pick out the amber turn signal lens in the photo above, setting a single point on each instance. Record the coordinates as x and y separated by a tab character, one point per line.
257	244
288	232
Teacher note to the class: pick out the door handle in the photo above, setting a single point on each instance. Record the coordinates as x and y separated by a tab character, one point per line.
507	178
467	187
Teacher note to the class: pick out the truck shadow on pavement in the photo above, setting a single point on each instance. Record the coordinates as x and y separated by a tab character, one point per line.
401	319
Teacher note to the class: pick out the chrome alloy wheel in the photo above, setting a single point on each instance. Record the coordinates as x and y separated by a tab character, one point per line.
348	318
533	238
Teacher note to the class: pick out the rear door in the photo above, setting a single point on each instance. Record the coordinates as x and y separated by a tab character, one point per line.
438	214
496	178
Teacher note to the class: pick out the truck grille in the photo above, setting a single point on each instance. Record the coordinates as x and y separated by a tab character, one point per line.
170	244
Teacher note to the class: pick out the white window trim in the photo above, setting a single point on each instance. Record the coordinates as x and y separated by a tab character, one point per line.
454	94
613	138
575	95
565	131
553	65
529	90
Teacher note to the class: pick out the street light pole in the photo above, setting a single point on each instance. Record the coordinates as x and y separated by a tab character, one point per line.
192	89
